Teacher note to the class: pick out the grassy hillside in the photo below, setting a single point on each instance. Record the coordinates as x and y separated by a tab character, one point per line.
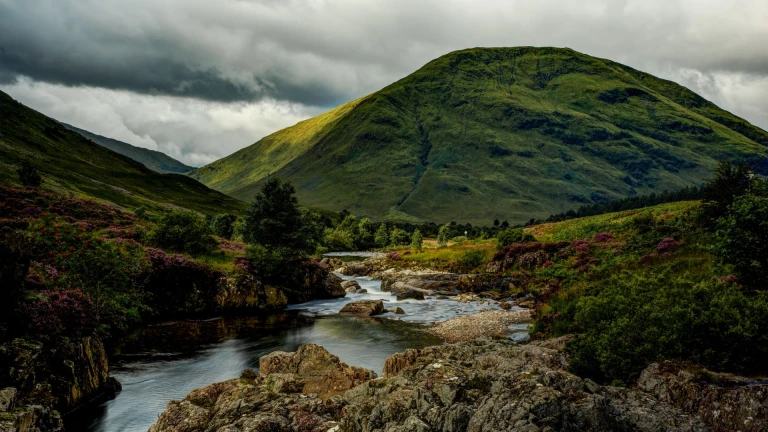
508	133
67	161
152	159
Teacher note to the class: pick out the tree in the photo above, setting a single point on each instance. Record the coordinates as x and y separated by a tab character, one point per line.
496	222
416	240
398	237
730	180
275	221
742	239
223	225
182	231
29	175
505	224
365	232
442	235
381	238
512	236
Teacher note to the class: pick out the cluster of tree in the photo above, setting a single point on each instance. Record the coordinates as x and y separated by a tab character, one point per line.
361	234
629	203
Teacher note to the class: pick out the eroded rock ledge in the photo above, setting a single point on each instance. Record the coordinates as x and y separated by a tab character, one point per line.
480	385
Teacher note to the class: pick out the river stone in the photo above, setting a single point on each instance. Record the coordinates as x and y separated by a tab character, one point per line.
354	269
7	399
361	291
411	294
398	310
350	286
363	308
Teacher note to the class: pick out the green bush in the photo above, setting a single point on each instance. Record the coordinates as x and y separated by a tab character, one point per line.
512	236
470	260
28	175
742	239
339	240
381	238
641	317
223	225
182	231
416	240
399	237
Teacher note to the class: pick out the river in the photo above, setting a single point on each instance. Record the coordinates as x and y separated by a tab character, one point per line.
167	361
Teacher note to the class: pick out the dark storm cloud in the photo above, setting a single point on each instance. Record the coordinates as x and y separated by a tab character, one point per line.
293	58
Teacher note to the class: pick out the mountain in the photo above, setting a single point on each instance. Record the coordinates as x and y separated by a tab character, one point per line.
508	133
70	162
152	159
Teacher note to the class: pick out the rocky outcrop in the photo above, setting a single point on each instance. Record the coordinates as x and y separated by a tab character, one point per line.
363	308
724	401
354	269
320	372
242	291
39	380
480	385
429	283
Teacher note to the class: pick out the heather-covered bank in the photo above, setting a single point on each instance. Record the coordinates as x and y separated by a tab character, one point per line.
76	273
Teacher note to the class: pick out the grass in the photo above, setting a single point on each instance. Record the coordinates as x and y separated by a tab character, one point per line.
70	163
507	133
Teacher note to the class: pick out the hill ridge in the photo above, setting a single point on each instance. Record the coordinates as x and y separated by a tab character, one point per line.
508	133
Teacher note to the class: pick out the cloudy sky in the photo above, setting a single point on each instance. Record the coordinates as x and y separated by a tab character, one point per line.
199	79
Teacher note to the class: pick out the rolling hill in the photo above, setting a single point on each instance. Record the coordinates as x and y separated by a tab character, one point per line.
152	159
509	133
70	162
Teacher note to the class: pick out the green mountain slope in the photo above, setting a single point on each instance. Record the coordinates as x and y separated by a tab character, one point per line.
509	133
67	161
152	159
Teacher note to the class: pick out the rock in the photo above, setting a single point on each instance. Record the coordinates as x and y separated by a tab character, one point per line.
442	297
354	269
478	386
533	260
331	287
363	308
426	281
350	286
724	401
504	305
492	324
411	294
7	399
397	310
244	291
321	372
361	291
528	304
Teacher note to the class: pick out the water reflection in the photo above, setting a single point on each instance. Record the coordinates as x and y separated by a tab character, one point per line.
166	362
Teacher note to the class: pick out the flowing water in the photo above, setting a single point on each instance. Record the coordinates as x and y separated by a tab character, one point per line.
167	361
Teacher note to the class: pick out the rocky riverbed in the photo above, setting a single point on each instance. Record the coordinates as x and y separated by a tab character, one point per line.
480	385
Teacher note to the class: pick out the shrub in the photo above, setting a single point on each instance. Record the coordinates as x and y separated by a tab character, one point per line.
640	318
459	239
442	235
416	240
470	260
223	225
512	236
603	237
339	240
182	231
399	237
381	238
175	284
14	264
742	240
50	314
28	175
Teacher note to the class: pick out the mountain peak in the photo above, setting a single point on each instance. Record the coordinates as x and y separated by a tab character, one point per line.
484	133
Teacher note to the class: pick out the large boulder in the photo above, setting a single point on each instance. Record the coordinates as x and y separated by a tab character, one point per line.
411	294
430	282
354	269
321	372
246	291
363	308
